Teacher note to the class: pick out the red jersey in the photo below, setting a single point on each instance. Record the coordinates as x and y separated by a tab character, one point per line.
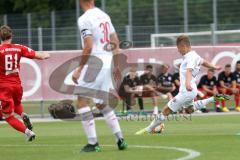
10	56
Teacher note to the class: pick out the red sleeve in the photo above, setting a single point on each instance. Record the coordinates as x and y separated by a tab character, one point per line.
28	52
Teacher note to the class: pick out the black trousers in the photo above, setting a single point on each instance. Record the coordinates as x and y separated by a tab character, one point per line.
131	97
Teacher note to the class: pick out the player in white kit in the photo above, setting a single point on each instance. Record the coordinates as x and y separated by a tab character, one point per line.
189	71
96	32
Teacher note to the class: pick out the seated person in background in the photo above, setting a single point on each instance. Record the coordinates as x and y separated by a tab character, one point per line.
131	88
176	81
236	74
165	82
226	84
208	87
149	82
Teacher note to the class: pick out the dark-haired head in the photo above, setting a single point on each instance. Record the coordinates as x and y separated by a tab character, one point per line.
227	69
238	66
149	66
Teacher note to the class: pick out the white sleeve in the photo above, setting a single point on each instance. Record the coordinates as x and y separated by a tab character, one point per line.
191	63
85	28
194	62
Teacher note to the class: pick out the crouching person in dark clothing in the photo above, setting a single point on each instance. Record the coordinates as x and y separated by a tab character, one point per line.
131	88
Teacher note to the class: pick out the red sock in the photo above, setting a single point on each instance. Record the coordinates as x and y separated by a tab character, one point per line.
217	103
19	109
223	104
237	99
16	124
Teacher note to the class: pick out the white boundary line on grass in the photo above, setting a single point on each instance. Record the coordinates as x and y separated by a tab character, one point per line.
191	154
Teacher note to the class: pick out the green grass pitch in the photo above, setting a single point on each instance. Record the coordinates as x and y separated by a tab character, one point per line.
214	137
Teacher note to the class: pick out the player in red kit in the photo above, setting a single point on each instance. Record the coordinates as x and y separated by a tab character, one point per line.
10	84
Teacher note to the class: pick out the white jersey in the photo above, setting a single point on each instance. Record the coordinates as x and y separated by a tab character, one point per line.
190	61
96	23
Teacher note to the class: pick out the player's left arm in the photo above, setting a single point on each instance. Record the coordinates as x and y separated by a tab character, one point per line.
189	79
42	55
207	64
87	49
234	86
116	53
116	50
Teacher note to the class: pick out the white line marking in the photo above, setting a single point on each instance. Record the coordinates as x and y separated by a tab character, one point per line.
191	154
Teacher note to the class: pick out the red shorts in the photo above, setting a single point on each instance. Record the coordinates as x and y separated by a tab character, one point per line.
10	97
206	94
225	91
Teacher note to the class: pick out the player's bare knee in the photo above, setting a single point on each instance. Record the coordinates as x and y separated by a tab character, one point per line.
166	111
100	106
82	102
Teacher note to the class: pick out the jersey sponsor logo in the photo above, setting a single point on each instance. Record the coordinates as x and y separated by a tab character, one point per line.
12	50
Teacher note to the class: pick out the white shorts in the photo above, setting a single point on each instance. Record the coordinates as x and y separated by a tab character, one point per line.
182	99
102	82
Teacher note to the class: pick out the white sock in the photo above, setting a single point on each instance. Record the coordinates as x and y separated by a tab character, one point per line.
112	121
27	131
157	121
89	126
201	103
155	110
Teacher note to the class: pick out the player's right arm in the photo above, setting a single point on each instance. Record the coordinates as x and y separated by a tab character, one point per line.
116	52
86	34
210	65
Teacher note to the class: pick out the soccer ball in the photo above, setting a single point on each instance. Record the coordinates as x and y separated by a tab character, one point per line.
159	129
